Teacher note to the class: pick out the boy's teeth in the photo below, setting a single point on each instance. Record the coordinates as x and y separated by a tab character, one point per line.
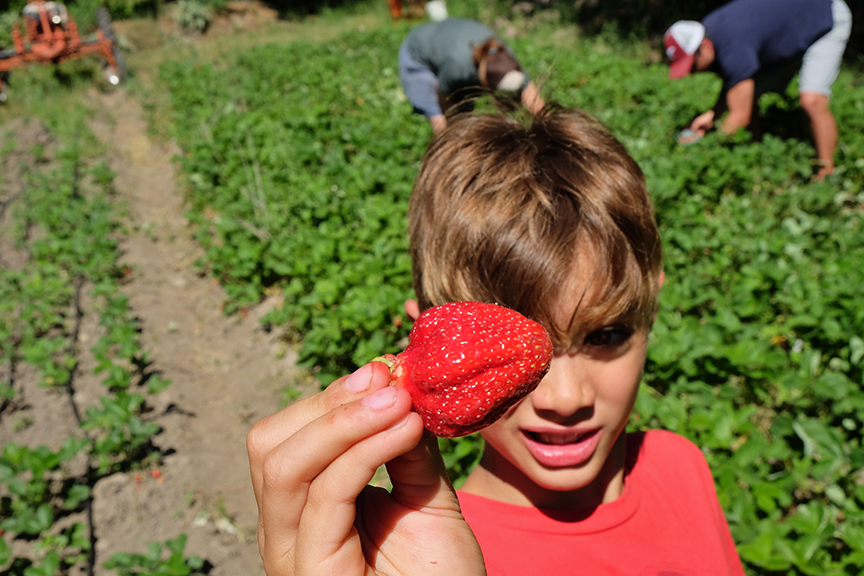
558	438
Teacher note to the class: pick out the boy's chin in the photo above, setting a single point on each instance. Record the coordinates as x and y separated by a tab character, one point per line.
571	479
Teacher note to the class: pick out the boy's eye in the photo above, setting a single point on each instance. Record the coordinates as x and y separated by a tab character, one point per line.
608	336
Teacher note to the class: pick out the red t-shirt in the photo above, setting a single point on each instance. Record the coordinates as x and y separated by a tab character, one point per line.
667	522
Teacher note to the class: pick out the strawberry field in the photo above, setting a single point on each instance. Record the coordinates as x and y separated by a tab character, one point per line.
297	160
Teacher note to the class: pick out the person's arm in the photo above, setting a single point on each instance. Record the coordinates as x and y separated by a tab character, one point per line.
420	85
531	98
705	121
310	466
738	100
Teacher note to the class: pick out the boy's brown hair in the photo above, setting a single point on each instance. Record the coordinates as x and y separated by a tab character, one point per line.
506	213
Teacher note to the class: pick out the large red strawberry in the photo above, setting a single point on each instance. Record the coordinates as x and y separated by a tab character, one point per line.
467	363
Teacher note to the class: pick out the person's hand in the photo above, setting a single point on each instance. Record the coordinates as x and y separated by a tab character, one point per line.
825	169
687	137
703	123
438	122
531	98
311	464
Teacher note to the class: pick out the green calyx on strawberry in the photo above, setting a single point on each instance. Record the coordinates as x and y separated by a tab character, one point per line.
467	363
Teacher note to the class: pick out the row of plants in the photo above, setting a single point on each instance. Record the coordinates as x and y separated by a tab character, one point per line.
64	222
299	160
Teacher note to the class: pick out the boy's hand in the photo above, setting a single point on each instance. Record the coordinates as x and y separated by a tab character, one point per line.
311	464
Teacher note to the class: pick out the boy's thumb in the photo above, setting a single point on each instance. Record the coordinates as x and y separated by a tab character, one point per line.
420	478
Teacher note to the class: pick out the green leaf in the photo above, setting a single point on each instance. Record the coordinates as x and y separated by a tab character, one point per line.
856	347
758	551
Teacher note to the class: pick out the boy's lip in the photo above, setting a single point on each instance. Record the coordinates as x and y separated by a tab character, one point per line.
561	448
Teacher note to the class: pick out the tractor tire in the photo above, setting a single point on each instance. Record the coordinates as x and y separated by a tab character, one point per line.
120	71
103	18
115	76
4	81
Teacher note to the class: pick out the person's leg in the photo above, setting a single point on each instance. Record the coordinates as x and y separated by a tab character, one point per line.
824	130
819	70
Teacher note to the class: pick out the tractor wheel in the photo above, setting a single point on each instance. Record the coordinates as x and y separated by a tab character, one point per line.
4	80
103	18
116	76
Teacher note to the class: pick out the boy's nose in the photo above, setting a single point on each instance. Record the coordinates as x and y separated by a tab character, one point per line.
566	390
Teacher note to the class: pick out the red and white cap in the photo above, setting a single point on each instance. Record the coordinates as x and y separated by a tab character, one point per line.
682	40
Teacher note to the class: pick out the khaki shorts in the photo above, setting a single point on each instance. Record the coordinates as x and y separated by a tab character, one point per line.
821	63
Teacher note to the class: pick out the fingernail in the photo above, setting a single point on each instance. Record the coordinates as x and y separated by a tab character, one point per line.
359	381
381	399
401	423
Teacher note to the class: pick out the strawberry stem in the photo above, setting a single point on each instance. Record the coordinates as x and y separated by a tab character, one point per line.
388	359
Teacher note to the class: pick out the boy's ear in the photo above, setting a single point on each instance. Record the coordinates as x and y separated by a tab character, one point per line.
660	279
412	309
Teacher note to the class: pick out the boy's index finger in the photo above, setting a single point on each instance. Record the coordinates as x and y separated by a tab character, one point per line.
274	429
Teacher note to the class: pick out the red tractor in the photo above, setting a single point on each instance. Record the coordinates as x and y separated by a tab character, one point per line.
52	36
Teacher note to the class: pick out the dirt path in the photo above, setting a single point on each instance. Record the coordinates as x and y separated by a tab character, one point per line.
226	371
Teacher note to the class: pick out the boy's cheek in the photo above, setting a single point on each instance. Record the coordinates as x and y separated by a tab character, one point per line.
511	412
507	426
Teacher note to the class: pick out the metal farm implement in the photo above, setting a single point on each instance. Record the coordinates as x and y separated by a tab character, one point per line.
51	36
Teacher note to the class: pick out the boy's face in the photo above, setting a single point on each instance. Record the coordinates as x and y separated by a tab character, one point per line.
562	446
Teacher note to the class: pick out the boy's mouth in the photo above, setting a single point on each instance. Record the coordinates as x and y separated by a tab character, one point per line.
558	439
560	450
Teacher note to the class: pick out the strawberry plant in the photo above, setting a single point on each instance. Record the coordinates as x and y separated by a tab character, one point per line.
123	438
29	475
153	563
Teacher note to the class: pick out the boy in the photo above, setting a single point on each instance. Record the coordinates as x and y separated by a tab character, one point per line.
552	220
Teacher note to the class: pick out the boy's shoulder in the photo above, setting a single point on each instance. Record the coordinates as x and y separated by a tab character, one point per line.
661	441
661	452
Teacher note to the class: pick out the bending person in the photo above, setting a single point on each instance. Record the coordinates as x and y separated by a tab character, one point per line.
447	63
751	44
